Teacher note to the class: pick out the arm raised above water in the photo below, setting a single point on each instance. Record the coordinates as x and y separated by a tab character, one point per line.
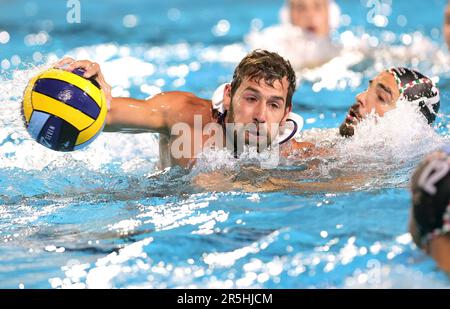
157	114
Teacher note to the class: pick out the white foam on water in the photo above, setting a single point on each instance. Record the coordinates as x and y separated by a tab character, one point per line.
400	135
223	159
393	277
343	61
302	50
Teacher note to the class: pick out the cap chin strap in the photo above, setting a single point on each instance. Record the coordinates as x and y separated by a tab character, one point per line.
293	126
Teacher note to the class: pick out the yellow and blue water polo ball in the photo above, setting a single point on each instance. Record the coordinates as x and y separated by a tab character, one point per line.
63	110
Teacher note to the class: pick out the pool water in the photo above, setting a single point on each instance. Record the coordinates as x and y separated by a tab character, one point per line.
106	217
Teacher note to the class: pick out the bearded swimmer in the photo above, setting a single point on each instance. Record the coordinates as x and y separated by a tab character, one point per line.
388	88
256	106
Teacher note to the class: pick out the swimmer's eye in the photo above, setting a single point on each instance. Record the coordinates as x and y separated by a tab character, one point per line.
251	99
274	105
382	99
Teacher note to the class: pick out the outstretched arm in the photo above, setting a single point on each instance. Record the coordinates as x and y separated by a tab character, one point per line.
157	114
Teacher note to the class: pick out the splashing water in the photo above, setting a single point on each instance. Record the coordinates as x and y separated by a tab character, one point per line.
16	144
106	217
400	135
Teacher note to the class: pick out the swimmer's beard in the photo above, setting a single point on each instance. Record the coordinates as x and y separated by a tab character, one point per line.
239	137
346	129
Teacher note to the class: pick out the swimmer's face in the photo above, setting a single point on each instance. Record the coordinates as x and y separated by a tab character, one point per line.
380	97
311	15
447	26
258	106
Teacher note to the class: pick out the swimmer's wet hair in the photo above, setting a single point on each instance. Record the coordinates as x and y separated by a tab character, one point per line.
264	65
431	209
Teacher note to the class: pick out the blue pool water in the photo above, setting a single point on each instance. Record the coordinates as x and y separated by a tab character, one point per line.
106	217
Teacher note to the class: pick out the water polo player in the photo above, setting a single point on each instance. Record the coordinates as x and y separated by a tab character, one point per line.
313	16
430	214
386	90
260	96
303	34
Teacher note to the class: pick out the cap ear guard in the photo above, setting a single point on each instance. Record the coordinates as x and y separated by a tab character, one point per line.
426	96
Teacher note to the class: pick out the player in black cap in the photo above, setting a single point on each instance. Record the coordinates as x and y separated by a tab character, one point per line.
430	214
388	88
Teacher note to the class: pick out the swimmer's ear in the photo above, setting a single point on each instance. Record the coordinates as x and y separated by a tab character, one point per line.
227	97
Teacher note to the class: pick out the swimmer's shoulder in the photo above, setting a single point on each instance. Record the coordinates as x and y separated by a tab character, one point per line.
183	100
182	106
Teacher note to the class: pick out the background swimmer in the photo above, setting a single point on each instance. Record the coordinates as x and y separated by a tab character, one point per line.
311	15
430	214
303	35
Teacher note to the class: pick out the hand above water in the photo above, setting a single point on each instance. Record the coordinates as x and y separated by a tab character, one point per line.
92	69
